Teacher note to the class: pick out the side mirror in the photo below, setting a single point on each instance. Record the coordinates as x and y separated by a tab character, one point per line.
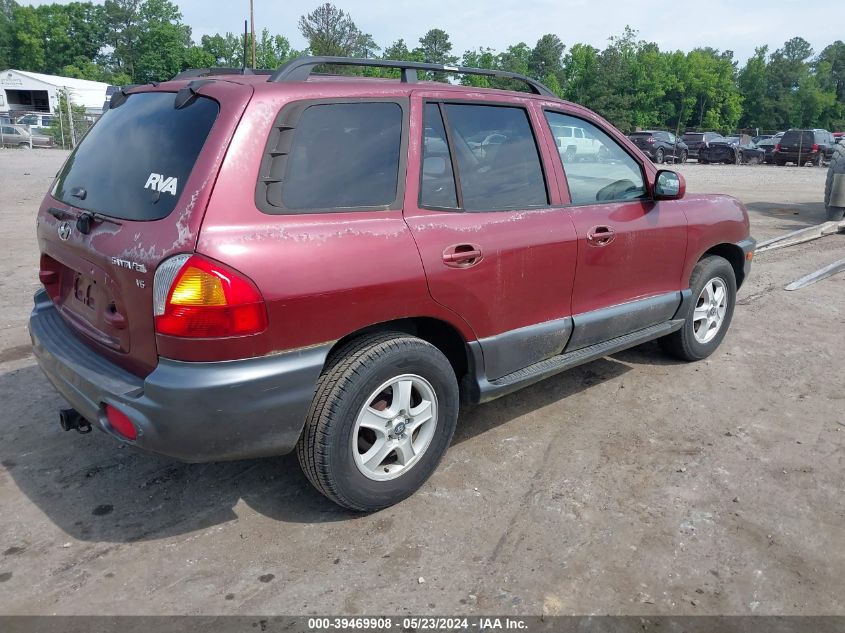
434	166
669	185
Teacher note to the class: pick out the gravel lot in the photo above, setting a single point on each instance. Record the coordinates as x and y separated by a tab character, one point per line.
632	485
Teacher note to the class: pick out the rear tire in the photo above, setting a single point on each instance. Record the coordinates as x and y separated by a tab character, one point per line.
683	158
659	157
837	166
355	395
709	315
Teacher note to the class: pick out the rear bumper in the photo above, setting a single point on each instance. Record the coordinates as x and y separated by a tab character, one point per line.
794	157
192	412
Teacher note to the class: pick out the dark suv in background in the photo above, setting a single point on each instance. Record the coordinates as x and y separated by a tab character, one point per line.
660	146
804	146
697	140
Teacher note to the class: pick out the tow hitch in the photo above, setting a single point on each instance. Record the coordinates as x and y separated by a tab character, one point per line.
70	419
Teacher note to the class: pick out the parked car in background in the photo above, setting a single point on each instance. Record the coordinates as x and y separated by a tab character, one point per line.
660	146
574	143
839	137
696	140
804	146
768	147
751	154
18	136
721	150
36	121
443	276
762	137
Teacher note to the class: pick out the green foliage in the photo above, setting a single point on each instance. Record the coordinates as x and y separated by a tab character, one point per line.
61	130
331	31
631	82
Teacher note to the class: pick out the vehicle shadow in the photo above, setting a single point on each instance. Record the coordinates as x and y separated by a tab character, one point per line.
793	216
95	491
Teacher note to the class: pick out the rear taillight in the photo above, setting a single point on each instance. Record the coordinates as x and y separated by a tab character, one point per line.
777	147
815	147
199	298
650	140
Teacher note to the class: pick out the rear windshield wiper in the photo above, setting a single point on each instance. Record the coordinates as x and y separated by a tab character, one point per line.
84	219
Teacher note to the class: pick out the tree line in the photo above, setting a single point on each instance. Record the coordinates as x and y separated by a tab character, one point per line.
631	81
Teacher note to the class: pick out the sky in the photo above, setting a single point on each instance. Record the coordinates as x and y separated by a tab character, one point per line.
737	25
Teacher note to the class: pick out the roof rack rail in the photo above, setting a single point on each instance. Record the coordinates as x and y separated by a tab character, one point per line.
300	69
193	73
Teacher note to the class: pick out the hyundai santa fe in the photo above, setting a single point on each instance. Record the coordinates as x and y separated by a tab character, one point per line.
238	264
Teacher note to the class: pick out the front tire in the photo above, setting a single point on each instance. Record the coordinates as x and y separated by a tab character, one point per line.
659	157
683	157
713	285
382	417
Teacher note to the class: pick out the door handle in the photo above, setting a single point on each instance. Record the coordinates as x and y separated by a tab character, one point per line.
462	255
600	236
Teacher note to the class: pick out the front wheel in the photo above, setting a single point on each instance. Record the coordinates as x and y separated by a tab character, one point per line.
383	415
683	157
659	157
713	285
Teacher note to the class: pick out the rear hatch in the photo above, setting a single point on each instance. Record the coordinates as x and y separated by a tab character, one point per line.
694	140
640	139
132	194
796	140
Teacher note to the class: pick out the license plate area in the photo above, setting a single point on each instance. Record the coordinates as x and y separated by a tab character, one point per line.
84	291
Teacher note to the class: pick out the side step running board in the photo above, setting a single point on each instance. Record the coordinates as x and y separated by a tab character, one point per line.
556	364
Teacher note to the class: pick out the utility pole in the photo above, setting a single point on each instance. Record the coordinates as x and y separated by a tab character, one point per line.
252	28
70	119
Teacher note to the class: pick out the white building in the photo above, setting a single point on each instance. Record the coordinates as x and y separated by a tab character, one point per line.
23	91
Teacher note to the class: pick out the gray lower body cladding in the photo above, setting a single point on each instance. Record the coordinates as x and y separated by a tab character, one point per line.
538	351
192	412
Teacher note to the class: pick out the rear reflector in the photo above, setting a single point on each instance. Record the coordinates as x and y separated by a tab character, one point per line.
119	421
201	298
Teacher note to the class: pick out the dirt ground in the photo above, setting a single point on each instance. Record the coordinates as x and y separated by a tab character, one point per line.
632	485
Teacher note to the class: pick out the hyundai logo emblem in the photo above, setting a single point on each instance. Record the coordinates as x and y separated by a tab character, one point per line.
64	230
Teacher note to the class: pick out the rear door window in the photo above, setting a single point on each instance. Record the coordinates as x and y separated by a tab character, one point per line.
437	186
135	161
496	156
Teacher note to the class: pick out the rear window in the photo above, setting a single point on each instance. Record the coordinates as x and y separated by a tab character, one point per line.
794	136
693	137
640	135
134	163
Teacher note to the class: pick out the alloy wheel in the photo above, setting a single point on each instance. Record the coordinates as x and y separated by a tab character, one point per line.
394	427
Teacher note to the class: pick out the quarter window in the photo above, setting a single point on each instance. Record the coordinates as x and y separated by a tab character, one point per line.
497	159
344	156
598	170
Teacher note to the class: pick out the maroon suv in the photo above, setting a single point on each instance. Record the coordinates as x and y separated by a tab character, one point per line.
238	265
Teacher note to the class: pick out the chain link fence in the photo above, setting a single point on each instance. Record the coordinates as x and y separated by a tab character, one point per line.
63	128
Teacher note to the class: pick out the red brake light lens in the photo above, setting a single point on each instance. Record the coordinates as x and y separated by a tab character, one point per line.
120	422
815	147
650	140
209	300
